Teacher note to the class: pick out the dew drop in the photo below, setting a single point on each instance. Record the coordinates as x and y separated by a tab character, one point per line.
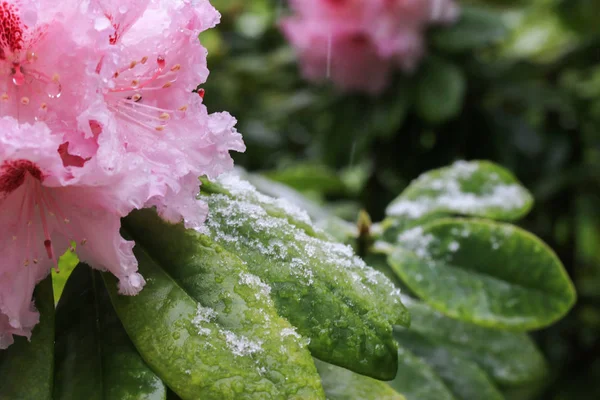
161	61
54	90
18	77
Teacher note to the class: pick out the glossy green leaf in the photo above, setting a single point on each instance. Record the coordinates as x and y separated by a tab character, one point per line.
418	381
440	90
478	188
343	306
94	357
476	27
463	377
190	346
510	358
27	368
237	301
492	274
342	384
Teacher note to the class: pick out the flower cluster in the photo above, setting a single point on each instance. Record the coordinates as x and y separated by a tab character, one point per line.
98	116
358	43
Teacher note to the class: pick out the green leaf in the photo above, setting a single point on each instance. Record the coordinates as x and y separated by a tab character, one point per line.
418	381
279	190
235	300
440	90
463	377
307	177
478	188
27	368
66	264
476	27
201	352
343	306
342	384
94	357
488	273
510	358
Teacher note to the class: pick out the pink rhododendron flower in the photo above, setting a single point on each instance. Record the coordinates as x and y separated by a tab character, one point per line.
358	43
155	64
98	117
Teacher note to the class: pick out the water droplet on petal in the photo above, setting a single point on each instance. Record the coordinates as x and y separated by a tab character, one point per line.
53	90
18	77
161	61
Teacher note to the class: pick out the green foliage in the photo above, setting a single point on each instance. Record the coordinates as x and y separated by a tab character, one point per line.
192	352
476	28
417	380
470	383
27	368
312	278
506	277
234	303
477	188
440	91
509	358
342	384
94	357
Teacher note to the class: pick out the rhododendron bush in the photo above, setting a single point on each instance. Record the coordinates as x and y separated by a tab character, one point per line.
138	263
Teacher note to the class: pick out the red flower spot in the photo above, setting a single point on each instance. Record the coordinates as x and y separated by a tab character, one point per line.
11	29
13	174
70	160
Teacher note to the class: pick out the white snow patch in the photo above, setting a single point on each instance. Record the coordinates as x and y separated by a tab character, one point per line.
453	246
241	345
203	315
254	281
447	194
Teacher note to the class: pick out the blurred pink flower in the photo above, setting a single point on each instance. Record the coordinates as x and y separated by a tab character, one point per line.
358	43
97	118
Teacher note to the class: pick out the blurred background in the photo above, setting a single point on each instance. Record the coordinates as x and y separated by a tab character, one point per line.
515	82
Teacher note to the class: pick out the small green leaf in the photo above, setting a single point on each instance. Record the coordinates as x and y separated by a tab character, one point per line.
343	306
66	265
94	357
440	90
27	368
418	381
510	358
238	301
342	384
478	188
187	345
463	377
488	273
477	27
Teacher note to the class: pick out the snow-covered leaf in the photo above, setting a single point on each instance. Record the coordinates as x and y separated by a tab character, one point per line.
476	188
345	307
204	324
233	303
